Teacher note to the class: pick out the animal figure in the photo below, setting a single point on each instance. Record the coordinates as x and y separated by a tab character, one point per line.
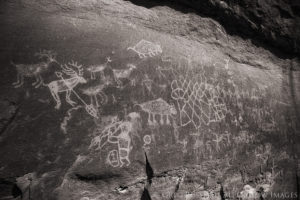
93	69
158	107
145	48
123	73
119	133
95	91
66	85
34	70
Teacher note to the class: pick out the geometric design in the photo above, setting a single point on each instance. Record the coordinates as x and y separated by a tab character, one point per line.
198	102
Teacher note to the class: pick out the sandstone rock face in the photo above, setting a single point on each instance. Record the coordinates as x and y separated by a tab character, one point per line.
112	99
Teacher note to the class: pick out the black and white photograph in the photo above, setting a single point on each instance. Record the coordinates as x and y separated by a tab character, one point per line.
150	100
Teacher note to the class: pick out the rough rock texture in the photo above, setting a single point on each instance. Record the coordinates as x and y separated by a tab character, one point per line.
164	101
272	24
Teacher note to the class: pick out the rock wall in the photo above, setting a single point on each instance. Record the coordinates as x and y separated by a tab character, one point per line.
107	99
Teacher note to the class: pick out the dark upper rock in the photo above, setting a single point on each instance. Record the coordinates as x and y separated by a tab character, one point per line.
272	24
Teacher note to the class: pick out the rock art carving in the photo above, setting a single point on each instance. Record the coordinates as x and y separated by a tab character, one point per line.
147	83
123	73
113	158
147	141
34	70
96	91
183	142
158	107
208	146
145	49
198	146
161	72
228	139
198	102
118	133
243	137
63	125
66	85
93	69
218	139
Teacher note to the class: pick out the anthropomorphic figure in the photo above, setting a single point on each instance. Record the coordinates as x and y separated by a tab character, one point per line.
119	133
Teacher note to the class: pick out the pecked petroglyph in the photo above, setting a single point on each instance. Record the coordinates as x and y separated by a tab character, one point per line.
145	49
118	132
66	85
94	92
63	125
34	70
198	102
123	73
94	69
158	107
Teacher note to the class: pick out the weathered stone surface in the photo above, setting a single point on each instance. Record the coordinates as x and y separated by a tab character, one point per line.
216	115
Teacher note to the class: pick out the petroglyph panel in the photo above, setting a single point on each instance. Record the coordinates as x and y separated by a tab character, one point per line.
158	107
145	49
171	110
120	133
98	69
66	85
34	70
198	102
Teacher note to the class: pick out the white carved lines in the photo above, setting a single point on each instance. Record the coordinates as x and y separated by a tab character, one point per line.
198	102
147	83
63	125
123	73
146	49
113	158
96	91
66	85
118	132
218	139
34	70
147	141
158	107
94	69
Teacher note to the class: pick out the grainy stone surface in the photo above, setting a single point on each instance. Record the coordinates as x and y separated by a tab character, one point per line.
216	114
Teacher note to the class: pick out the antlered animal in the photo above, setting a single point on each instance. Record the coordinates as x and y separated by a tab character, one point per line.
34	70
66	85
